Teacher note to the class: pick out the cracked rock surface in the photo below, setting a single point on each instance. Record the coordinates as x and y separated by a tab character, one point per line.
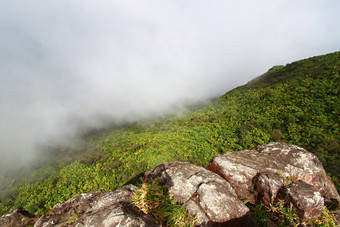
202	192
97	209
287	161
305	197
267	187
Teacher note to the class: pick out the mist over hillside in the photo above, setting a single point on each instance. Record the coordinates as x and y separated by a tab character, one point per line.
296	104
69	65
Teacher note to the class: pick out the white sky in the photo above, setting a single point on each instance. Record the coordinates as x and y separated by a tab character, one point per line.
65	63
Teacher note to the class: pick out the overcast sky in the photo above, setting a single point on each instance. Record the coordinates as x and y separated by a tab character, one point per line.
65	63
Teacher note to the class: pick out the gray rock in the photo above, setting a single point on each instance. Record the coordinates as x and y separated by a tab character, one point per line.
202	192
241	167
267	186
97	209
62	213
337	217
305	197
17	218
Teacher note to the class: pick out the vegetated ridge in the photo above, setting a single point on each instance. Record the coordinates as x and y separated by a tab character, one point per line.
298	103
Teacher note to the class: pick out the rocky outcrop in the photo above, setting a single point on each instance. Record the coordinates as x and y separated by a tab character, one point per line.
243	169
66	212
17	218
97	209
203	193
262	175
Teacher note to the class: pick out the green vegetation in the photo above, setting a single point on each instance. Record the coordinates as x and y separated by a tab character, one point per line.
285	215
73	218
298	103
155	199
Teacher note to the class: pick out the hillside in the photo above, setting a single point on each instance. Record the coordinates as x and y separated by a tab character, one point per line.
298	103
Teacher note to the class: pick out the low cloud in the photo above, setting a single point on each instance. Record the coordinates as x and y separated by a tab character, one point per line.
66	64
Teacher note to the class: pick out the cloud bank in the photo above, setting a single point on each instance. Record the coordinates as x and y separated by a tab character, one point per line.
67	63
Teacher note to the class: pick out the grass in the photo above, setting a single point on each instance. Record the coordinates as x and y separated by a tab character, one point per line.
155	199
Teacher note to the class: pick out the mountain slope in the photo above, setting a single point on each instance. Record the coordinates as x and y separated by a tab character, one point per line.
298	103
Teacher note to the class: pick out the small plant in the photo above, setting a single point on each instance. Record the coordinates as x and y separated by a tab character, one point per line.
260	213
155	199
284	214
287	180
277	134
73	218
326	219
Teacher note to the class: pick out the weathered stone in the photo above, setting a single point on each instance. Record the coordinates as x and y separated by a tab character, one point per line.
305	197
202	192
240	168
17	218
267	186
97	209
337	217
63	212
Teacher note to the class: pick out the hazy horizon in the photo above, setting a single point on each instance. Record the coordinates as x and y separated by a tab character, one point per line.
72	64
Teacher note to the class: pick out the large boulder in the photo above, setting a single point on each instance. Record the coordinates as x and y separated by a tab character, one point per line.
242	170
17	218
305	197
203	193
97	209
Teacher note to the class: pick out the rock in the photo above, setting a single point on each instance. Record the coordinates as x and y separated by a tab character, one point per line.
62	213
267	186
203	193
241	168
97	209
17	218
305	197
337	217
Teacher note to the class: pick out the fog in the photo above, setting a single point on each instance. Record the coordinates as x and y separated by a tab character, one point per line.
65	65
